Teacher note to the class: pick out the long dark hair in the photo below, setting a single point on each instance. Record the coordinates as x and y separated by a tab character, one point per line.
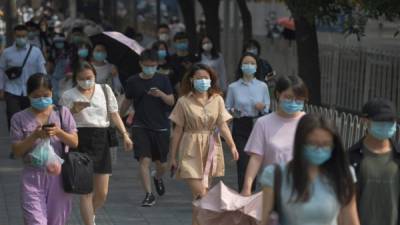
336	169
239	72
37	81
214	52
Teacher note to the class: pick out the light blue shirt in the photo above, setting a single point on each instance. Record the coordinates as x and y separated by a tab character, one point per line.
13	56
243	96
323	206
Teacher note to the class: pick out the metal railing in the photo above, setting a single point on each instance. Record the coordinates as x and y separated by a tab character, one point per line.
350	76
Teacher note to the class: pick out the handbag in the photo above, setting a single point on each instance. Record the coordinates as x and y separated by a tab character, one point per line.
111	131
77	170
16	71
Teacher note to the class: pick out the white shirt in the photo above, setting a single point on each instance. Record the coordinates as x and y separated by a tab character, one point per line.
96	114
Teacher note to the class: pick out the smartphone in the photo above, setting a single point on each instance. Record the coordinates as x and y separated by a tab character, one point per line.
50	125
153	89
83	104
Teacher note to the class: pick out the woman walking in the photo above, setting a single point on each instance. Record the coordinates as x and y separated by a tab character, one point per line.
94	107
197	115
43	199
317	186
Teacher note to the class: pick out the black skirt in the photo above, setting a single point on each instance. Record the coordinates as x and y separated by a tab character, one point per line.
94	142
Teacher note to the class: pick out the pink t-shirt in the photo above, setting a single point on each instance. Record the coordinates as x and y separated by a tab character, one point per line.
272	137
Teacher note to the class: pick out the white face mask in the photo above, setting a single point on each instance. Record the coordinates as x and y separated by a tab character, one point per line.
207	47
86	84
163	37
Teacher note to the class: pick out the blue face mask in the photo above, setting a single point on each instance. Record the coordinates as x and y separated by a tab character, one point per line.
291	106
162	54
317	155
382	130
59	45
182	46
249	69
83	52
21	42
41	103
99	56
202	85
149	71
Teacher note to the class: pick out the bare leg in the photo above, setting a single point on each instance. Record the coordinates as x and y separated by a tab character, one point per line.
160	168
101	182
198	191
86	207
145	173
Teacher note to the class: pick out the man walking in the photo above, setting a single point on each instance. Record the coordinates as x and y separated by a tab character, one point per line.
17	63
152	97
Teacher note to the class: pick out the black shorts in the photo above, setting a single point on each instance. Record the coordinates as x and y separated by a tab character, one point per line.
150	144
94	142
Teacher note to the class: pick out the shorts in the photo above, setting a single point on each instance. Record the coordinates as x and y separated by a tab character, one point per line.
150	144
94	142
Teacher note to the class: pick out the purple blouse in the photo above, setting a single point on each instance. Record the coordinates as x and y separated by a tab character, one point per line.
24	124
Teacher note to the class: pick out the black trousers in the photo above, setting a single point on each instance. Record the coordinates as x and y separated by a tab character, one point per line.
241	129
14	104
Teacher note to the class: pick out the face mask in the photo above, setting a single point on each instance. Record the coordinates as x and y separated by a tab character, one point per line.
59	45
291	107
249	69
382	130
162	54
32	35
149	71
317	155
86	84
163	37
253	51
182	46
207	47
20	42
99	56
76	39
83	52
202	85
41	103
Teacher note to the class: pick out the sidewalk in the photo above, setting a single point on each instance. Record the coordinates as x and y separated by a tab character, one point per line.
125	193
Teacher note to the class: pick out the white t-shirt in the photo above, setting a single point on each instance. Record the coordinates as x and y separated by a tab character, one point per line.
96	115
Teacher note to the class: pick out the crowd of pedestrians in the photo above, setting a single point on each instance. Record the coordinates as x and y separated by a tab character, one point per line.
179	112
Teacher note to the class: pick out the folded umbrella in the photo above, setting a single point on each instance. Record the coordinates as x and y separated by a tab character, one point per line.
122	51
224	206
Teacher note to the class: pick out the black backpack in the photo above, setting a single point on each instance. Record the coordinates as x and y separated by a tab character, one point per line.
77	170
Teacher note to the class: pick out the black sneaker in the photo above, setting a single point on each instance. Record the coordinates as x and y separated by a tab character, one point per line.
149	200
160	188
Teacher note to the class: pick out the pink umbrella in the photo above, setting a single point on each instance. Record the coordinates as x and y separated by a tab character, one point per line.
224	206
287	22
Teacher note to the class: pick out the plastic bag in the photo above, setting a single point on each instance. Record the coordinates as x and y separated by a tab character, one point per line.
44	156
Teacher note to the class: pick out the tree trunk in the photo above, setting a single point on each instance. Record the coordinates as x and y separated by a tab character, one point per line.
308	56
188	11
211	12
246	20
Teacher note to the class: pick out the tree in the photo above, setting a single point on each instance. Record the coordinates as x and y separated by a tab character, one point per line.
305	12
188	12
211	12
246	20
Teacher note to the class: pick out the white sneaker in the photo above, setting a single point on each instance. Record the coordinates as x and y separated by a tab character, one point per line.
94	220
